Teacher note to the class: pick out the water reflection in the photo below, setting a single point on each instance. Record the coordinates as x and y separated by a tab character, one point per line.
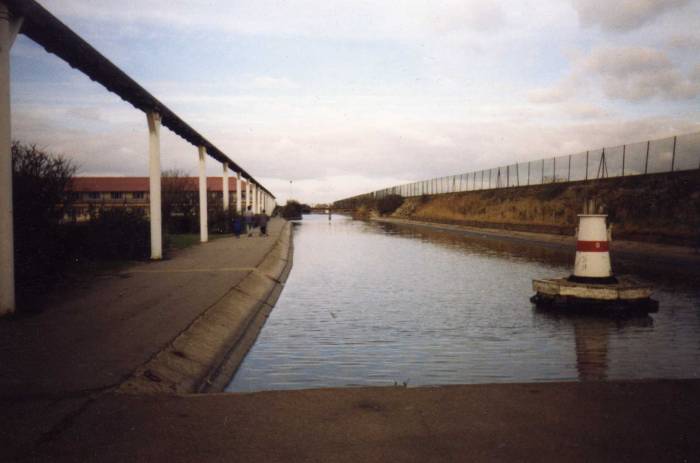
591	335
370	304
483	245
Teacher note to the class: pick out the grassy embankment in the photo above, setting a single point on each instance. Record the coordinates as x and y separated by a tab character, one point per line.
661	208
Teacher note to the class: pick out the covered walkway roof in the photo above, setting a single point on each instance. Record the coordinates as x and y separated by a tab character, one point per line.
57	38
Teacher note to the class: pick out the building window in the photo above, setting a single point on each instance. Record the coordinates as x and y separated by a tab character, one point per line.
116	195
94	195
74	196
137	195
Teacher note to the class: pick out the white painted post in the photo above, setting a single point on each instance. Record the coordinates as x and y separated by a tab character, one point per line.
203	219
224	180
155	212
256	202
239	185
247	194
8	32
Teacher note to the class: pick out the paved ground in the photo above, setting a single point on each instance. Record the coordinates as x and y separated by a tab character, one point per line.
555	422
93	338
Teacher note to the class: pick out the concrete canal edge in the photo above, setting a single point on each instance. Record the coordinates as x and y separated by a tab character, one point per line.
679	259
204	357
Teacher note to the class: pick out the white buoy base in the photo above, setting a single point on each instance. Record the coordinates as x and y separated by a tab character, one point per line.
626	293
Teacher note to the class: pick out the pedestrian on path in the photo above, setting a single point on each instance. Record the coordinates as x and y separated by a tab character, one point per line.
238	226
262	220
249	220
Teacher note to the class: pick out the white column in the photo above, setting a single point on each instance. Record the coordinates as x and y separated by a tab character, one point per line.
239	186
224	180
247	194
203	222
255	198
8	32
154	185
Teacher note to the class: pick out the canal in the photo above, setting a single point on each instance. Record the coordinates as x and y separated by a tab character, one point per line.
370	304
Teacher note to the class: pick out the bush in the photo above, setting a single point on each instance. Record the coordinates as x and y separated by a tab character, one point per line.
40	182
115	234
221	221
292	210
389	204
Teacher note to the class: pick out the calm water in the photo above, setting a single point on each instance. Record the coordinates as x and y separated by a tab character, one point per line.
372	304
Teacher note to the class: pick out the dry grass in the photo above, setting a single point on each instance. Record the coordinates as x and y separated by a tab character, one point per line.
660	208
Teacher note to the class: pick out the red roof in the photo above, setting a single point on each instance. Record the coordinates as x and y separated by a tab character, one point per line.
130	184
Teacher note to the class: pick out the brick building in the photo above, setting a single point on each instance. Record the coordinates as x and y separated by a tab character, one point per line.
89	194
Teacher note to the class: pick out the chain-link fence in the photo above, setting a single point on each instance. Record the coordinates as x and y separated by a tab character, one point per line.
681	152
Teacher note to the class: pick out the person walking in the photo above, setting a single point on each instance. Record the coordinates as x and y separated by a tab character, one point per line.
237	226
249	220
262	221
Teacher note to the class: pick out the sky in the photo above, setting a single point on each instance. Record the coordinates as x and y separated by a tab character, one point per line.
322	99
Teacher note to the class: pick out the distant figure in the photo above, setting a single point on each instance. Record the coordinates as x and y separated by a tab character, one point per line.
237	226
249	220
329	214
262	220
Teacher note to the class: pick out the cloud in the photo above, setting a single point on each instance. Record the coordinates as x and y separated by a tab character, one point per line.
307	18
637	73
555	94
623	15
685	42
626	73
272	83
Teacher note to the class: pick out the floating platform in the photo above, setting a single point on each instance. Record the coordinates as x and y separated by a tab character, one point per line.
624	294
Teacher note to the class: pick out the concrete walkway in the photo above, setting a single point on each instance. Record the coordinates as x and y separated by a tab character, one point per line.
551	422
95	337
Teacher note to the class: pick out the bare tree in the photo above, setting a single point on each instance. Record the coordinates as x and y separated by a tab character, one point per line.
179	202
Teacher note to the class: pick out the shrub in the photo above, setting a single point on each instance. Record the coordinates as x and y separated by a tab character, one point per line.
40	181
389	204
292	210
221	221
114	234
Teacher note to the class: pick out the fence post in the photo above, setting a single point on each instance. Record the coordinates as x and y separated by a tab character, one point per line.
528	173
568	176
646	161
542	179
602	166
586	177
507	176
624	154
673	156
554	169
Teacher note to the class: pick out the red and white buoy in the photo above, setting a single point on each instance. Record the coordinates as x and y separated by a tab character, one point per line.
592	286
592	249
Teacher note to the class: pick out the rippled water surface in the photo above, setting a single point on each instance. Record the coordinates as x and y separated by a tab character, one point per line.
373	304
